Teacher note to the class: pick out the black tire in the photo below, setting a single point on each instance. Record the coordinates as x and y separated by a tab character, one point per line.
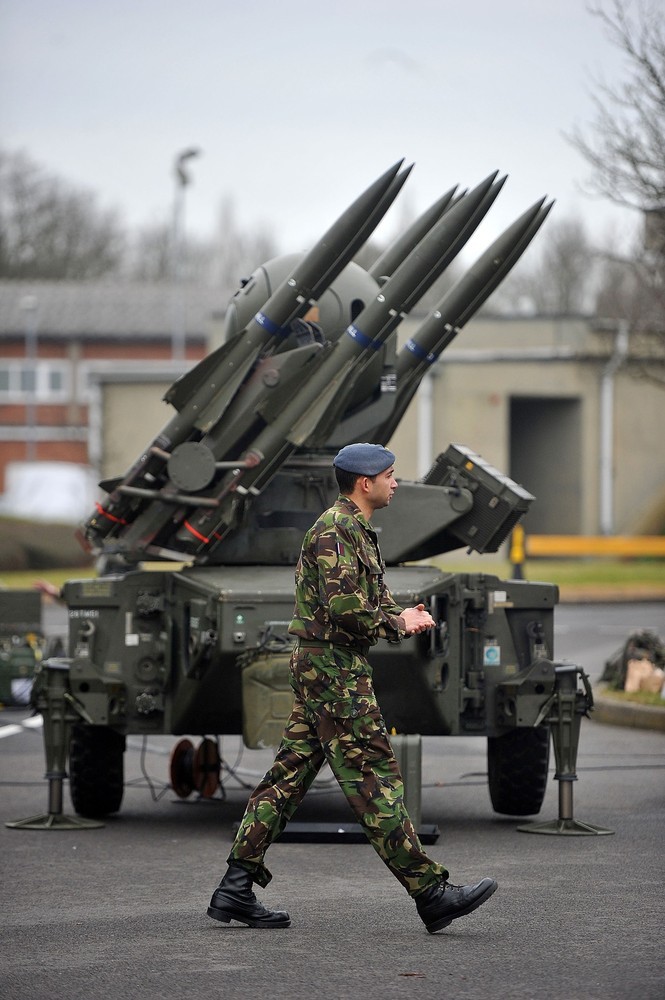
517	767
96	770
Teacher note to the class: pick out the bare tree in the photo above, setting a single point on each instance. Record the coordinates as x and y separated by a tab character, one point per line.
50	229
625	144
625	147
149	254
219	261
236	253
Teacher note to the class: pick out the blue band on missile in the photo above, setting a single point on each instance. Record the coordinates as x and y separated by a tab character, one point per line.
270	326
362	338
420	353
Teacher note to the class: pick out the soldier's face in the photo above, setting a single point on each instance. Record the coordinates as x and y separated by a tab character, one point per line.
382	488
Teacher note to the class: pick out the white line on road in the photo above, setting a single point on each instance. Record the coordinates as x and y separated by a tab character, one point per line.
33	722
10	731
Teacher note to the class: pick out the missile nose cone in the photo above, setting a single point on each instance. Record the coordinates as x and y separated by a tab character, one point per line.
337	246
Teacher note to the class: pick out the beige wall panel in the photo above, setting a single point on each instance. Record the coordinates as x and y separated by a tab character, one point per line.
470	405
639	450
132	415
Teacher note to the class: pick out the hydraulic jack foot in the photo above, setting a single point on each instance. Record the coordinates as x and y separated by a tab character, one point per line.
565	825
56	705
564	714
54	819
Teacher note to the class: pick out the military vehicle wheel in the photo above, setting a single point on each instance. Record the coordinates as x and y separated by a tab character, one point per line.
517	764
96	770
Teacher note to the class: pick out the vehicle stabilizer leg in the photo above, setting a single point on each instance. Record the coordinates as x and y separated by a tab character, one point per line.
563	713
52	700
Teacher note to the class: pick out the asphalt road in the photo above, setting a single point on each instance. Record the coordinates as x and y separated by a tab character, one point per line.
120	911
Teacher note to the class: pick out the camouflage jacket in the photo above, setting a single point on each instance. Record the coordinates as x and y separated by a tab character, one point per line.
341	596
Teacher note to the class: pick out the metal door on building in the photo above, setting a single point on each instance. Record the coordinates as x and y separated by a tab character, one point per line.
545	458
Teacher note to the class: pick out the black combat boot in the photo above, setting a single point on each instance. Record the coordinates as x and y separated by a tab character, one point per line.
233	899
442	903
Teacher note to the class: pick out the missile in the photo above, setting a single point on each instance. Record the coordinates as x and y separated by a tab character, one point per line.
277	442
329	383
244	410
399	249
305	416
209	387
412	278
455	309
305	279
311	276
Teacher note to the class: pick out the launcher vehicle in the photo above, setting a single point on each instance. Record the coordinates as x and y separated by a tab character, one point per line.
222	497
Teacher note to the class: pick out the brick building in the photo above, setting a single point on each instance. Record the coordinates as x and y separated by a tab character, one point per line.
60	340
568	408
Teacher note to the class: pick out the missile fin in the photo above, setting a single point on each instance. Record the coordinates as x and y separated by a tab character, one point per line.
213	411
108	485
180	393
302	366
307	423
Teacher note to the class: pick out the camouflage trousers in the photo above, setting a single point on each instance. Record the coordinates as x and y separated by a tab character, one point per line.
336	718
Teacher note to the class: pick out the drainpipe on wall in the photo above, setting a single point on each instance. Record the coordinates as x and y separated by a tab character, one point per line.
95	457
606	470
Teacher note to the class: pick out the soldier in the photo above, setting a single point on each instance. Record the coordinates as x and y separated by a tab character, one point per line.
342	608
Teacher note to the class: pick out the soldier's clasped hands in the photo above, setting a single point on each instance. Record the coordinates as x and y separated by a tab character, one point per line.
417	619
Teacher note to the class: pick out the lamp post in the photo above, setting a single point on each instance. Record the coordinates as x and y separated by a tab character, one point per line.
182	179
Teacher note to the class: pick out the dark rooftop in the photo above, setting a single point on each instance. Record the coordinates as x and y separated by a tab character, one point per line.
105	309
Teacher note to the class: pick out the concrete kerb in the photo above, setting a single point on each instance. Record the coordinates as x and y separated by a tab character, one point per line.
613	712
608	710
590	594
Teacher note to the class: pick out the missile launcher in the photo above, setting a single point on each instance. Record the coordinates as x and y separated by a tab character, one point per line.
309	363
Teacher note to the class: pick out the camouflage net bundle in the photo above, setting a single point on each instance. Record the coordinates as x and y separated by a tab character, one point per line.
638	665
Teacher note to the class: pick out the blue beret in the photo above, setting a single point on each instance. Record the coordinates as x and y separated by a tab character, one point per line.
364	459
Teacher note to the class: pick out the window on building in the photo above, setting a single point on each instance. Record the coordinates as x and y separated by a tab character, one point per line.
45	381
56	380
27	380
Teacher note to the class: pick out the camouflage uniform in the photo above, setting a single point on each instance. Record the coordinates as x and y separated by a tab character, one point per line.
342	608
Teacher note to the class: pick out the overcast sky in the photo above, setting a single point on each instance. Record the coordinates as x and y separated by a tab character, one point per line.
298	105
